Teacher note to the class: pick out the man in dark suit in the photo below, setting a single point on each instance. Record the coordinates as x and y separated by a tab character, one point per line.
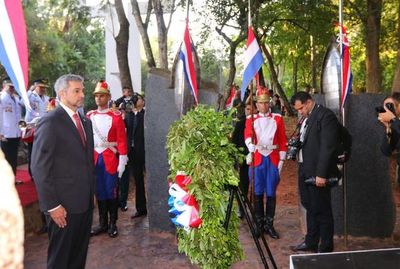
134	122
63	168
317	158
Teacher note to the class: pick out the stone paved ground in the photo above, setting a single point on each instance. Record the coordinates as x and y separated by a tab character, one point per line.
137	247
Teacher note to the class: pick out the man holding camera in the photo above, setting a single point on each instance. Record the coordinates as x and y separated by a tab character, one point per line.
317	158
266	140
387	115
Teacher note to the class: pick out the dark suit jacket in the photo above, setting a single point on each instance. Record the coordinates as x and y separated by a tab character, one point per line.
62	167
135	132
320	143
238	135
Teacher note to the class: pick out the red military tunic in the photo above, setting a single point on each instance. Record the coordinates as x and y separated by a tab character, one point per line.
269	138
109	137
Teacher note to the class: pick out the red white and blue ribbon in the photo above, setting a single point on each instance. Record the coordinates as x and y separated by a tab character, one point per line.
188	66
253	61
184	209
347	76
13	45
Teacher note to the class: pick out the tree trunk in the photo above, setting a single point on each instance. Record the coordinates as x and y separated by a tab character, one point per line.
275	81
295	70
313	66
396	80
122	40
372	32
232	66
142	27
162	34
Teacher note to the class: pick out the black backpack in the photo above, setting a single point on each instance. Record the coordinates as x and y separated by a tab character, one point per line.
344	145
345	140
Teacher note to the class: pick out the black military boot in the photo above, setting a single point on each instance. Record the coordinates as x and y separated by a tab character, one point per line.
259	213
103	219
113	209
269	220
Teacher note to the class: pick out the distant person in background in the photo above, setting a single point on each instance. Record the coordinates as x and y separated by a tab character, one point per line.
110	158
10	114
125	102
134	121
276	104
39	101
62	165
238	140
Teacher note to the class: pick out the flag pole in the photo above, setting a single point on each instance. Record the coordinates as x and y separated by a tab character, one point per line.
252	191
343	122
187	11
183	75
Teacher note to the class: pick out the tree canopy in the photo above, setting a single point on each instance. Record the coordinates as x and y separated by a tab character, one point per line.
64	37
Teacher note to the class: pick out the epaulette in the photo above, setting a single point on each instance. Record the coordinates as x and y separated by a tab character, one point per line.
276	115
90	112
116	112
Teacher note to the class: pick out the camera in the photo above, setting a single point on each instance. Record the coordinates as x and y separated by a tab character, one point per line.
129	103
294	145
381	109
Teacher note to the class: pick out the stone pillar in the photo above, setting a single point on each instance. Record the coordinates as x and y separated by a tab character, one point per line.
161	112
369	194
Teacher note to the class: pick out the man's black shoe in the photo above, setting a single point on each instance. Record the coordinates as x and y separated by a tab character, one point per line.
124	208
303	247
113	230
98	230
271	231
139	214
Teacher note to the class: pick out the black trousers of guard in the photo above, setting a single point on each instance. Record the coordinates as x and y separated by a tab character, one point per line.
317	202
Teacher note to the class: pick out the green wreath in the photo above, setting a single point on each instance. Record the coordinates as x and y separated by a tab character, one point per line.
199	144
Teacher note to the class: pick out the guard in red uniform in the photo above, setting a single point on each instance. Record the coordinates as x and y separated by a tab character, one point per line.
110	158
268	146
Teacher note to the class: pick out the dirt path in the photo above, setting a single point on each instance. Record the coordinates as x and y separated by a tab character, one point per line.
137	247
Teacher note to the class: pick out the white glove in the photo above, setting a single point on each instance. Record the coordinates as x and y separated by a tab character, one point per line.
123	160
251	147
249	158
280	165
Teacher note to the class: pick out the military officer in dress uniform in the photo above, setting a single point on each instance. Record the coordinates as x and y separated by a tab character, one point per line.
39	102
110	158
10	114
37	99
266	140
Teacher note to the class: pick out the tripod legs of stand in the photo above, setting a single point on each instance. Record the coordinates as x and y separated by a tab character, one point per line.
250	218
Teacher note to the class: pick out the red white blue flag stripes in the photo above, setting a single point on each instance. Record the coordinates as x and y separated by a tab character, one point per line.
346	69
188	66
13	45
253	61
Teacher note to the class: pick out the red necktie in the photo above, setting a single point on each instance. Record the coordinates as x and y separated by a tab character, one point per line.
80	128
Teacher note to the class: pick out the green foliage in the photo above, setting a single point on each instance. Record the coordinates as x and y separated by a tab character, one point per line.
199	144
64	38
211	65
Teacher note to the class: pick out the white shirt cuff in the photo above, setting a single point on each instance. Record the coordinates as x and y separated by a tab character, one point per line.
51	210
